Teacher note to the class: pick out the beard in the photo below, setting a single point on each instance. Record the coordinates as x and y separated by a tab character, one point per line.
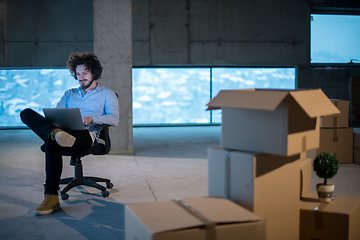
86	86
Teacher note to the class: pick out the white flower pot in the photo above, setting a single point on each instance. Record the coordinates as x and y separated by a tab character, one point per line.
325	192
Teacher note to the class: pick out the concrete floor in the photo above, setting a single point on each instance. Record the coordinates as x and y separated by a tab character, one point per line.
169	162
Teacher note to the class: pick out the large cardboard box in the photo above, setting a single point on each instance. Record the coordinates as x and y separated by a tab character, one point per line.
192	219
268	185
305	176
271	121
338	120
339	219
338	141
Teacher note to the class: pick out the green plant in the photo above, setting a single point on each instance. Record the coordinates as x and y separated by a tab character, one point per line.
326	166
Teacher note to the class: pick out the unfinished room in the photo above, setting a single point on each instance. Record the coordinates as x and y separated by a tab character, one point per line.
180	119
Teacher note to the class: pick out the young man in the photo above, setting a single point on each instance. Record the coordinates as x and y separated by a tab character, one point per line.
98	105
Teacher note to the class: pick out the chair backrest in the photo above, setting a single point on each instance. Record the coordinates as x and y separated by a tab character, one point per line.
104	135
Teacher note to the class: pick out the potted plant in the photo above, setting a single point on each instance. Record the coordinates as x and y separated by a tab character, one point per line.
326	166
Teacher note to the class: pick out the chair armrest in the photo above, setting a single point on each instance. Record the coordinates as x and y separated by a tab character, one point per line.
105	135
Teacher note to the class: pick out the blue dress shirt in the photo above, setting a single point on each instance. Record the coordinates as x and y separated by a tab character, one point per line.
100	103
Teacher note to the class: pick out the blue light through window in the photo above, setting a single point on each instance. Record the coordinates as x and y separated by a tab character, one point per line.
170	95
160	95
335	38
180	95
30	88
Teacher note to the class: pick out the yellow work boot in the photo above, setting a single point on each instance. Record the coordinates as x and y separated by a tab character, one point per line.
62	138
50	204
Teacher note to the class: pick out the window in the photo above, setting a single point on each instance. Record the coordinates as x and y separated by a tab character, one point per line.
170	95
160	95
30	88
335	38
180	95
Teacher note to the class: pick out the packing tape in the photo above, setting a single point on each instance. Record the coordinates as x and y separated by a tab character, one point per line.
335	117
227	178
210	233
335	137
319	216
303	144
319	221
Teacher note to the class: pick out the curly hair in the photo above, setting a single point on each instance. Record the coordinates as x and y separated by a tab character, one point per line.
90	61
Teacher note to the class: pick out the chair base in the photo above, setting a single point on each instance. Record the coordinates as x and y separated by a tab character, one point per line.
79	180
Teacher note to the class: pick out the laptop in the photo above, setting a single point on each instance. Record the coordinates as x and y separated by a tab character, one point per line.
65	118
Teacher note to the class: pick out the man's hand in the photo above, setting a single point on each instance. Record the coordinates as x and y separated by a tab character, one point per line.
87	120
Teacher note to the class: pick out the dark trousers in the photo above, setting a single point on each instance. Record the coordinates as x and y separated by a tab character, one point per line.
53	152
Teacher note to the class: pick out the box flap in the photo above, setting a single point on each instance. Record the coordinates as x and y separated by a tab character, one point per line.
315	103
247	98
164	216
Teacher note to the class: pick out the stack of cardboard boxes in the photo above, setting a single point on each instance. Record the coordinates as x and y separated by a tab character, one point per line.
340	218
335	134
260	172
264	138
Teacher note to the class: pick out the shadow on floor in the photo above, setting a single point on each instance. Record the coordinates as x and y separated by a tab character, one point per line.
90	218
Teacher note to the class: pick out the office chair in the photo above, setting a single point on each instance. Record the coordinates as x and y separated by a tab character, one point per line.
79	179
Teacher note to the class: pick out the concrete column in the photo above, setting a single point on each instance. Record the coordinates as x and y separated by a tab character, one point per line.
113	46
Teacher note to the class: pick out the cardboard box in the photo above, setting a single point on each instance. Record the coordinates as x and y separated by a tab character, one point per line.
271	121
305	176
268	185
193	219
338	141
338	120
285	226
339	219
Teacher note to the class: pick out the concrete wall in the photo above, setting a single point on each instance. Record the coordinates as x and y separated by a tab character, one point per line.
336	4
223	32
42	33
335	82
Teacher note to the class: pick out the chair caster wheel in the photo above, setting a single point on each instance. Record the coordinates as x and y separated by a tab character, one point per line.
105	193
109	185
64	196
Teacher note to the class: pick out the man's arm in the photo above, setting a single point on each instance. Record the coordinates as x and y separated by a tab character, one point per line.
63	100
111	111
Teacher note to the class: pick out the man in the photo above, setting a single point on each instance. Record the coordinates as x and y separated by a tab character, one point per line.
98	105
